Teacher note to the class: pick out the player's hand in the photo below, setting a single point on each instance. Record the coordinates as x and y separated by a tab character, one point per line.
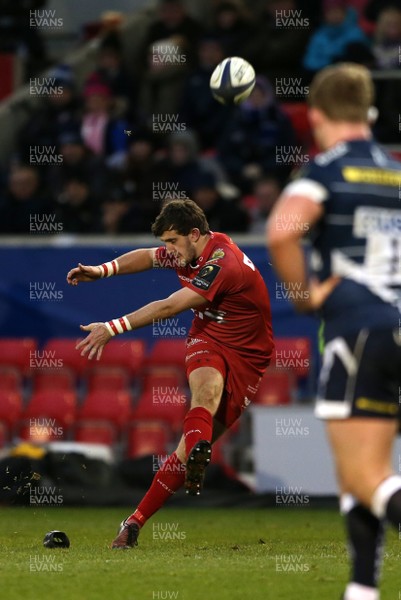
319	291
83	273
95	341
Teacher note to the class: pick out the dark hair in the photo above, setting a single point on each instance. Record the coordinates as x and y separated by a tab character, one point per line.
181	216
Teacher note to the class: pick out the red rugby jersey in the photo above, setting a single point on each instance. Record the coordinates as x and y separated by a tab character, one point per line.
238	315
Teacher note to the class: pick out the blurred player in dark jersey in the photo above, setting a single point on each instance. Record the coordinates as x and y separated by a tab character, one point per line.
228	347
348	197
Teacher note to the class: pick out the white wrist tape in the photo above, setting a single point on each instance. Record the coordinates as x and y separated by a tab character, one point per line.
117	326
110	268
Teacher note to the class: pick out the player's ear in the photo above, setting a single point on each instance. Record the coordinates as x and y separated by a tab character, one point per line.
315	116
194	234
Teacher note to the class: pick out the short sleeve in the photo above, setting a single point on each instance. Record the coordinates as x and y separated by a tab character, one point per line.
215	279
311	182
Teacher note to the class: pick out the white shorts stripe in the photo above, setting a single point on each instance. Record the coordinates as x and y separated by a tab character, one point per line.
332	409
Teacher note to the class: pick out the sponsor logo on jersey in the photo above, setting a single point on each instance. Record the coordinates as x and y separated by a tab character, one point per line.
215	315
372	175
206	276
377	406
217	254
196	354
185	278
369	220
253	389
325	158
192	341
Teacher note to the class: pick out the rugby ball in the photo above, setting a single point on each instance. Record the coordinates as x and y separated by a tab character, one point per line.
233	80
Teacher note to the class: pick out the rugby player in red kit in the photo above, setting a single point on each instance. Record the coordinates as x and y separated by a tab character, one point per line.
229	345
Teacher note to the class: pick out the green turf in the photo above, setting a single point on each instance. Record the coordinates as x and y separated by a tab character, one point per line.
183	554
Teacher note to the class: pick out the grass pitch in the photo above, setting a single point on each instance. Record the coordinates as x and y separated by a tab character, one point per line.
186	554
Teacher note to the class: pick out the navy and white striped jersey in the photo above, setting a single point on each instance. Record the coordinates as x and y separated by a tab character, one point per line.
359	235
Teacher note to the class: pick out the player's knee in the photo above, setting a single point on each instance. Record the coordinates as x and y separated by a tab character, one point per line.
362	481
208	396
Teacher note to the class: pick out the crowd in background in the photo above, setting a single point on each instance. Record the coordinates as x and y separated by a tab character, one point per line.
103	158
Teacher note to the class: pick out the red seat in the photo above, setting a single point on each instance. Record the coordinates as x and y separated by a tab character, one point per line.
10	67
63	350
292	354
59	404
10	407
18	353
54	379
163	380
276	387
106	405
95	432
3	435
108	379
125	354
10	379
49	415
146	438
157	406
298	114
168	353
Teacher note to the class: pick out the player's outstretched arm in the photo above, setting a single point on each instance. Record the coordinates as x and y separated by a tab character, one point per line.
131	262
101	333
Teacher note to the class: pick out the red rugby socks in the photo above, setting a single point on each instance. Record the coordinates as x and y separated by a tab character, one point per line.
166	482
198	425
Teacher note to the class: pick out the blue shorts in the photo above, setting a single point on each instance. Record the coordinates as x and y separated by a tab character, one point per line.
361	376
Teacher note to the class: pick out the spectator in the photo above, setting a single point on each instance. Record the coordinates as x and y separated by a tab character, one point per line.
375	7
387	39
360	6
264	195
386	50
77	210
248	146
138	173
168	51
199	110
110	67
141	185
116	217
278	46
172	21
222	215
183	167
59	113
162	84
103	132
110	22
19	37
24	201
339	38
232	27
78	161
123	213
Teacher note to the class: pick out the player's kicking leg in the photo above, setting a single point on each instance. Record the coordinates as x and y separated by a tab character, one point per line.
206	385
